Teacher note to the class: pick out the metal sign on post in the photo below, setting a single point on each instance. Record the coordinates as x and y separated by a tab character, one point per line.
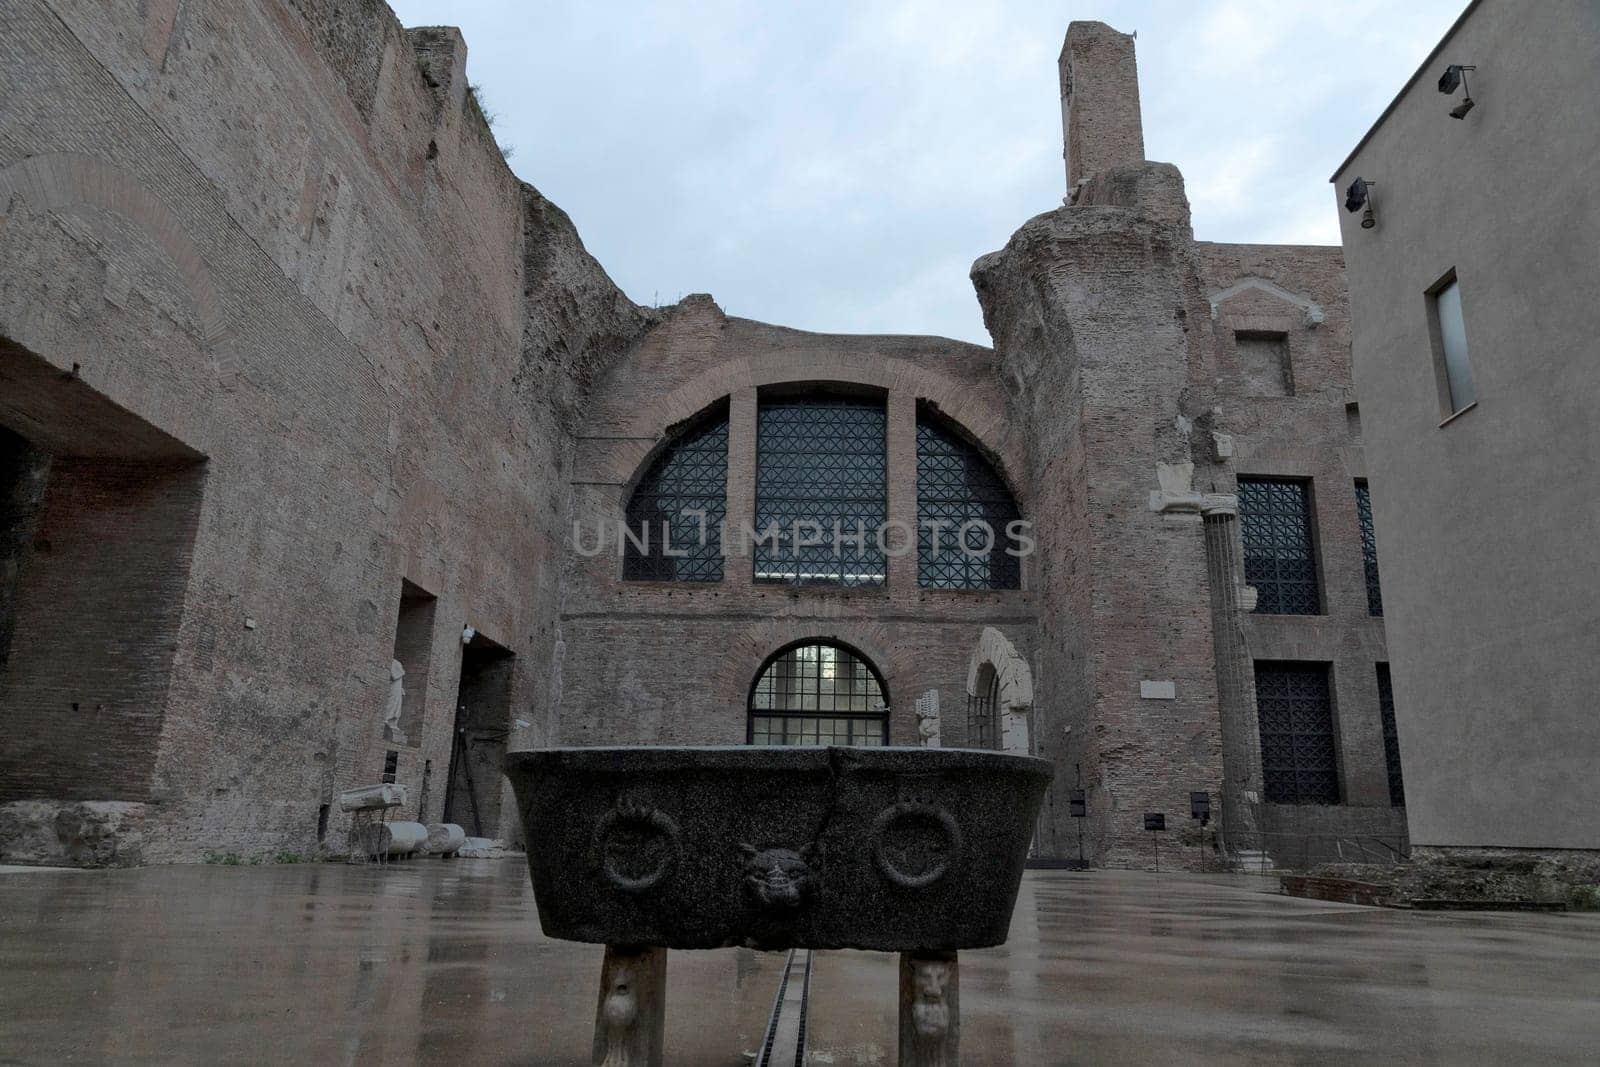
1079	804
1200	809
1155	822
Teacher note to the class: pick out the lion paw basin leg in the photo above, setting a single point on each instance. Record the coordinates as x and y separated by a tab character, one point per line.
631	1016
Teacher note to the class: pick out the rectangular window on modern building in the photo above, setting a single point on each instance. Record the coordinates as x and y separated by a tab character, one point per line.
1299	755
1450	330
1279	553
1369	549
1391	737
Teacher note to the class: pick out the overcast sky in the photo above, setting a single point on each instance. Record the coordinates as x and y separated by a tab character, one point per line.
838	166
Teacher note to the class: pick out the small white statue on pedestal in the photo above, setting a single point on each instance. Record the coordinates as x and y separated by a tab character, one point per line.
397	697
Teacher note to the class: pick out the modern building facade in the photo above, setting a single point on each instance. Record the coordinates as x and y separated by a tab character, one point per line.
1472	296
331	456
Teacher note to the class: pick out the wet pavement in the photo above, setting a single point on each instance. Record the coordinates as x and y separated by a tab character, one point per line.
443	961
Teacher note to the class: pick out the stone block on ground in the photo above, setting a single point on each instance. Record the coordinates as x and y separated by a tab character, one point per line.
84	833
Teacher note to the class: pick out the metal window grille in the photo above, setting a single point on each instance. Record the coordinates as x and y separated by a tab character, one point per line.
956	485
1369	549
1275	524
1391	737
821	460
1299	760
818	694
691	475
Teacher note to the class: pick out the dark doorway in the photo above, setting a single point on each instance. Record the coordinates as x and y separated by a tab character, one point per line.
98	513
413	653
24	471
96	557
478	751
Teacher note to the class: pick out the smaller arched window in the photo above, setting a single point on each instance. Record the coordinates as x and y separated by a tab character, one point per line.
963	512
818	693
666	539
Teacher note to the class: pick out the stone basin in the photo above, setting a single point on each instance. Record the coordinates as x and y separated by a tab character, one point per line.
893	849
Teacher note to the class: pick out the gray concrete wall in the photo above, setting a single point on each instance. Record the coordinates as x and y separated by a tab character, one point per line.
1489	526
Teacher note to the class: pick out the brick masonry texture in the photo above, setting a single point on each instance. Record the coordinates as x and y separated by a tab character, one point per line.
280	247
281	335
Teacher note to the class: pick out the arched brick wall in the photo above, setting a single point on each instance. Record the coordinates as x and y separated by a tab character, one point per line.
980	412
58	180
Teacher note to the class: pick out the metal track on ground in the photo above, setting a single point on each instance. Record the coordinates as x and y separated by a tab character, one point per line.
784	1043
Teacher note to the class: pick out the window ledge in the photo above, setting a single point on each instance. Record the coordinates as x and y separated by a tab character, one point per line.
965	590
1458	414
668	584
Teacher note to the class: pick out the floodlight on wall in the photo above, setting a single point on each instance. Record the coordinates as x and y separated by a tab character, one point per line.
1454	77
1359	197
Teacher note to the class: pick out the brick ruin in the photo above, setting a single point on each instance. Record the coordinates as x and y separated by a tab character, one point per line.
298	381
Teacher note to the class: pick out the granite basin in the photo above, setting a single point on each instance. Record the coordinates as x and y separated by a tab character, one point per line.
893	849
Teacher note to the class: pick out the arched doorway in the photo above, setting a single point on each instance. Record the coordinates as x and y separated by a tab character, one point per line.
999	695
818	692
982	704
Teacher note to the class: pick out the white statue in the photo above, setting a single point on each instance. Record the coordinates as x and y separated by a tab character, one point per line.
928	719
397	697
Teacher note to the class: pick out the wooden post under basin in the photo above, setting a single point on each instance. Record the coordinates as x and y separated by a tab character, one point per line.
630	1019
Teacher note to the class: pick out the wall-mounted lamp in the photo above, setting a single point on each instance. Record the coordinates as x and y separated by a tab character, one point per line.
1454	76
467	633
1359	197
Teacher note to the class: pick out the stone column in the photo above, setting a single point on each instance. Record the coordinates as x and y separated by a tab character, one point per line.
930	1009
737	564
631	1018
1241	733
903	490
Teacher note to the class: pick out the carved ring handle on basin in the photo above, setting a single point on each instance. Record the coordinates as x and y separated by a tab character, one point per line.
653	828
910	812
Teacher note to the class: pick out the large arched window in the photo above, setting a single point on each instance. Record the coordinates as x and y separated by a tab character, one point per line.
963	509
822	474
689	477
818	693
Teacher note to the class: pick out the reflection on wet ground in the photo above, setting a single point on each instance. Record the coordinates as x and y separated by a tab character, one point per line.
435	961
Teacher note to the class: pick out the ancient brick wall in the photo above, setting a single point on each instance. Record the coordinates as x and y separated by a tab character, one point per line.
266	262
1311	431
281	237
1115	282
1162	369
85	689
675	661
1101	122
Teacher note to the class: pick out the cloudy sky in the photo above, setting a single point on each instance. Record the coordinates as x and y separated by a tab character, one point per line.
838	166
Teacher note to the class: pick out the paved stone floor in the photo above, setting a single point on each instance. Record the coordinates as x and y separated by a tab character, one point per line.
436	961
